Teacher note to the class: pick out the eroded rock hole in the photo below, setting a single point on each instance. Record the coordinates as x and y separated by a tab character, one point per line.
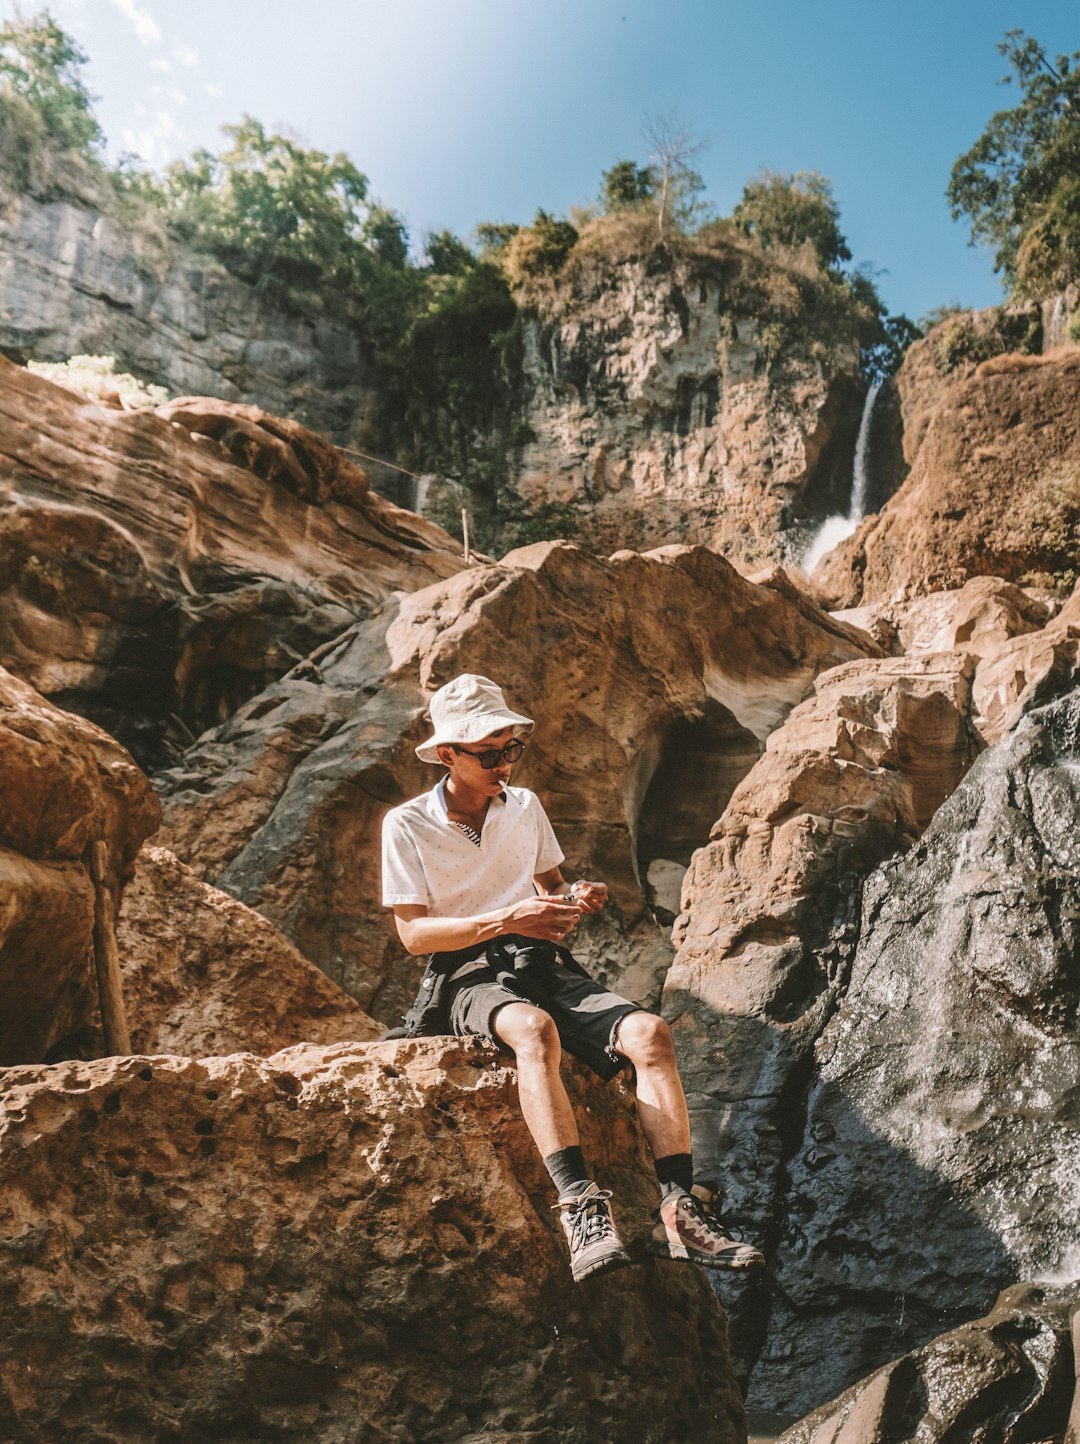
701	762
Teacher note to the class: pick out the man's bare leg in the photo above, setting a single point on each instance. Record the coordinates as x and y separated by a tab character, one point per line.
646	1040
594	1245
533	1036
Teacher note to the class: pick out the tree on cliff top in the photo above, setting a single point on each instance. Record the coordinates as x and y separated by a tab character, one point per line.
793	210
44	65
1020	182
275	210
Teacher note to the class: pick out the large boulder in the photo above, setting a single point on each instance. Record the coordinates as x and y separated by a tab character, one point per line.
204	975
994	490
158	569
933	1156
330	1245
64	784
1008	1376
770	912
654	680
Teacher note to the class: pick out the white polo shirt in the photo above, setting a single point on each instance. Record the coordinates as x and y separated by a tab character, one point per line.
429	861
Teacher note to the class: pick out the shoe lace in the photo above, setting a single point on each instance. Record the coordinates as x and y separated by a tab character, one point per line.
590	1220
708	1219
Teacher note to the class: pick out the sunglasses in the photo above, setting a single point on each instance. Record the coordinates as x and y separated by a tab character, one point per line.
492	756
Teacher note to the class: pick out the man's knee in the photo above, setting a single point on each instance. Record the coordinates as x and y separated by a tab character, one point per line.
645	1039
529	1031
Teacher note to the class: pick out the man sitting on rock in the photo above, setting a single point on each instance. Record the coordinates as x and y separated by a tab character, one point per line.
471	870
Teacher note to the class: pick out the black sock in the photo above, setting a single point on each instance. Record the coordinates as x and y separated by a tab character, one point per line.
567	1169
675	1172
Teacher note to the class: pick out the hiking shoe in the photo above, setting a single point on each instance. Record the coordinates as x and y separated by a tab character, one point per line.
689	1229
594	1244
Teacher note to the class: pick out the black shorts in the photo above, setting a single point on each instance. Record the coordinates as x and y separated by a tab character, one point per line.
585	1014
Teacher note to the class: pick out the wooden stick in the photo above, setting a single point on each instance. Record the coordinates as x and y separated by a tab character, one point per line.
107	957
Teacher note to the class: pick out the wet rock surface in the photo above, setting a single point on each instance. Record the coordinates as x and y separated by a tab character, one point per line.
158	569
770	916
632	667
331	1244
938	1142
1009	1376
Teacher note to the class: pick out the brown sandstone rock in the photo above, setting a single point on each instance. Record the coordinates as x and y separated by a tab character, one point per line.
153	564
329	1245
63	785
204	975
995	490
654	680
1027	672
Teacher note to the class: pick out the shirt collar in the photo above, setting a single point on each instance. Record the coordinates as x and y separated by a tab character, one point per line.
436	800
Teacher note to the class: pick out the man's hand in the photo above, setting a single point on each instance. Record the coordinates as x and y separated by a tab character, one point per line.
549	918
591	895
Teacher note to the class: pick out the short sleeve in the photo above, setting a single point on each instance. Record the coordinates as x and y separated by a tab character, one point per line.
403	878
548	852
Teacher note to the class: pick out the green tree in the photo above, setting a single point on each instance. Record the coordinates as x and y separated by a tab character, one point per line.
540	249
1018	183
626	184
793	210
43	64
274	209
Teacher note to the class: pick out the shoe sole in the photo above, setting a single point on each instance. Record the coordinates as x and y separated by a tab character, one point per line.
730	1265
602	1266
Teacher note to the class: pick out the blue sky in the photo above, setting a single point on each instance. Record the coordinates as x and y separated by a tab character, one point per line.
461	111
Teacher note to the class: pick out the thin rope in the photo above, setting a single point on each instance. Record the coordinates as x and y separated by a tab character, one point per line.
379	461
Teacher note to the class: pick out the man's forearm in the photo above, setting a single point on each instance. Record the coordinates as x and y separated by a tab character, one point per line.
447	935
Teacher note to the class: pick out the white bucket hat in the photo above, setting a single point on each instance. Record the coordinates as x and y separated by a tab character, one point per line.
466	710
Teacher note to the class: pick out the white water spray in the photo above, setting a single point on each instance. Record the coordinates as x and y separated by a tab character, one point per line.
834	529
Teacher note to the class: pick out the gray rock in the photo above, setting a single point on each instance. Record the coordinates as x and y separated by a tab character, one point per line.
938	1158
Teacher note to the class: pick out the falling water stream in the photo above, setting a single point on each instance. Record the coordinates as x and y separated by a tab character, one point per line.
834	529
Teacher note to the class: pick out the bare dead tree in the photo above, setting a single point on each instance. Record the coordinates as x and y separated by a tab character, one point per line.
672	146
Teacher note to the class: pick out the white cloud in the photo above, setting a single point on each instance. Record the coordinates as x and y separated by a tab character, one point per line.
186	55
155	137
142	22
212	88
159	63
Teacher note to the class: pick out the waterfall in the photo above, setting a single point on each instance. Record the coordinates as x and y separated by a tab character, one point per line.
860	478
834	529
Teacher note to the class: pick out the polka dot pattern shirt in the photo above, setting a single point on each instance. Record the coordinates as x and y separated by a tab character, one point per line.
426	860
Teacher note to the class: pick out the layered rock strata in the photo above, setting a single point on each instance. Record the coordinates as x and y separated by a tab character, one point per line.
64	785
654	680
167	566
935	1154
994	490
327	1245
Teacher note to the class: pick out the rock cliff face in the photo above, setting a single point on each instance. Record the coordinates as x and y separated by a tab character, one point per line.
329	1245
157	569
73	281
662	410
994	490
937	1144
654	680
